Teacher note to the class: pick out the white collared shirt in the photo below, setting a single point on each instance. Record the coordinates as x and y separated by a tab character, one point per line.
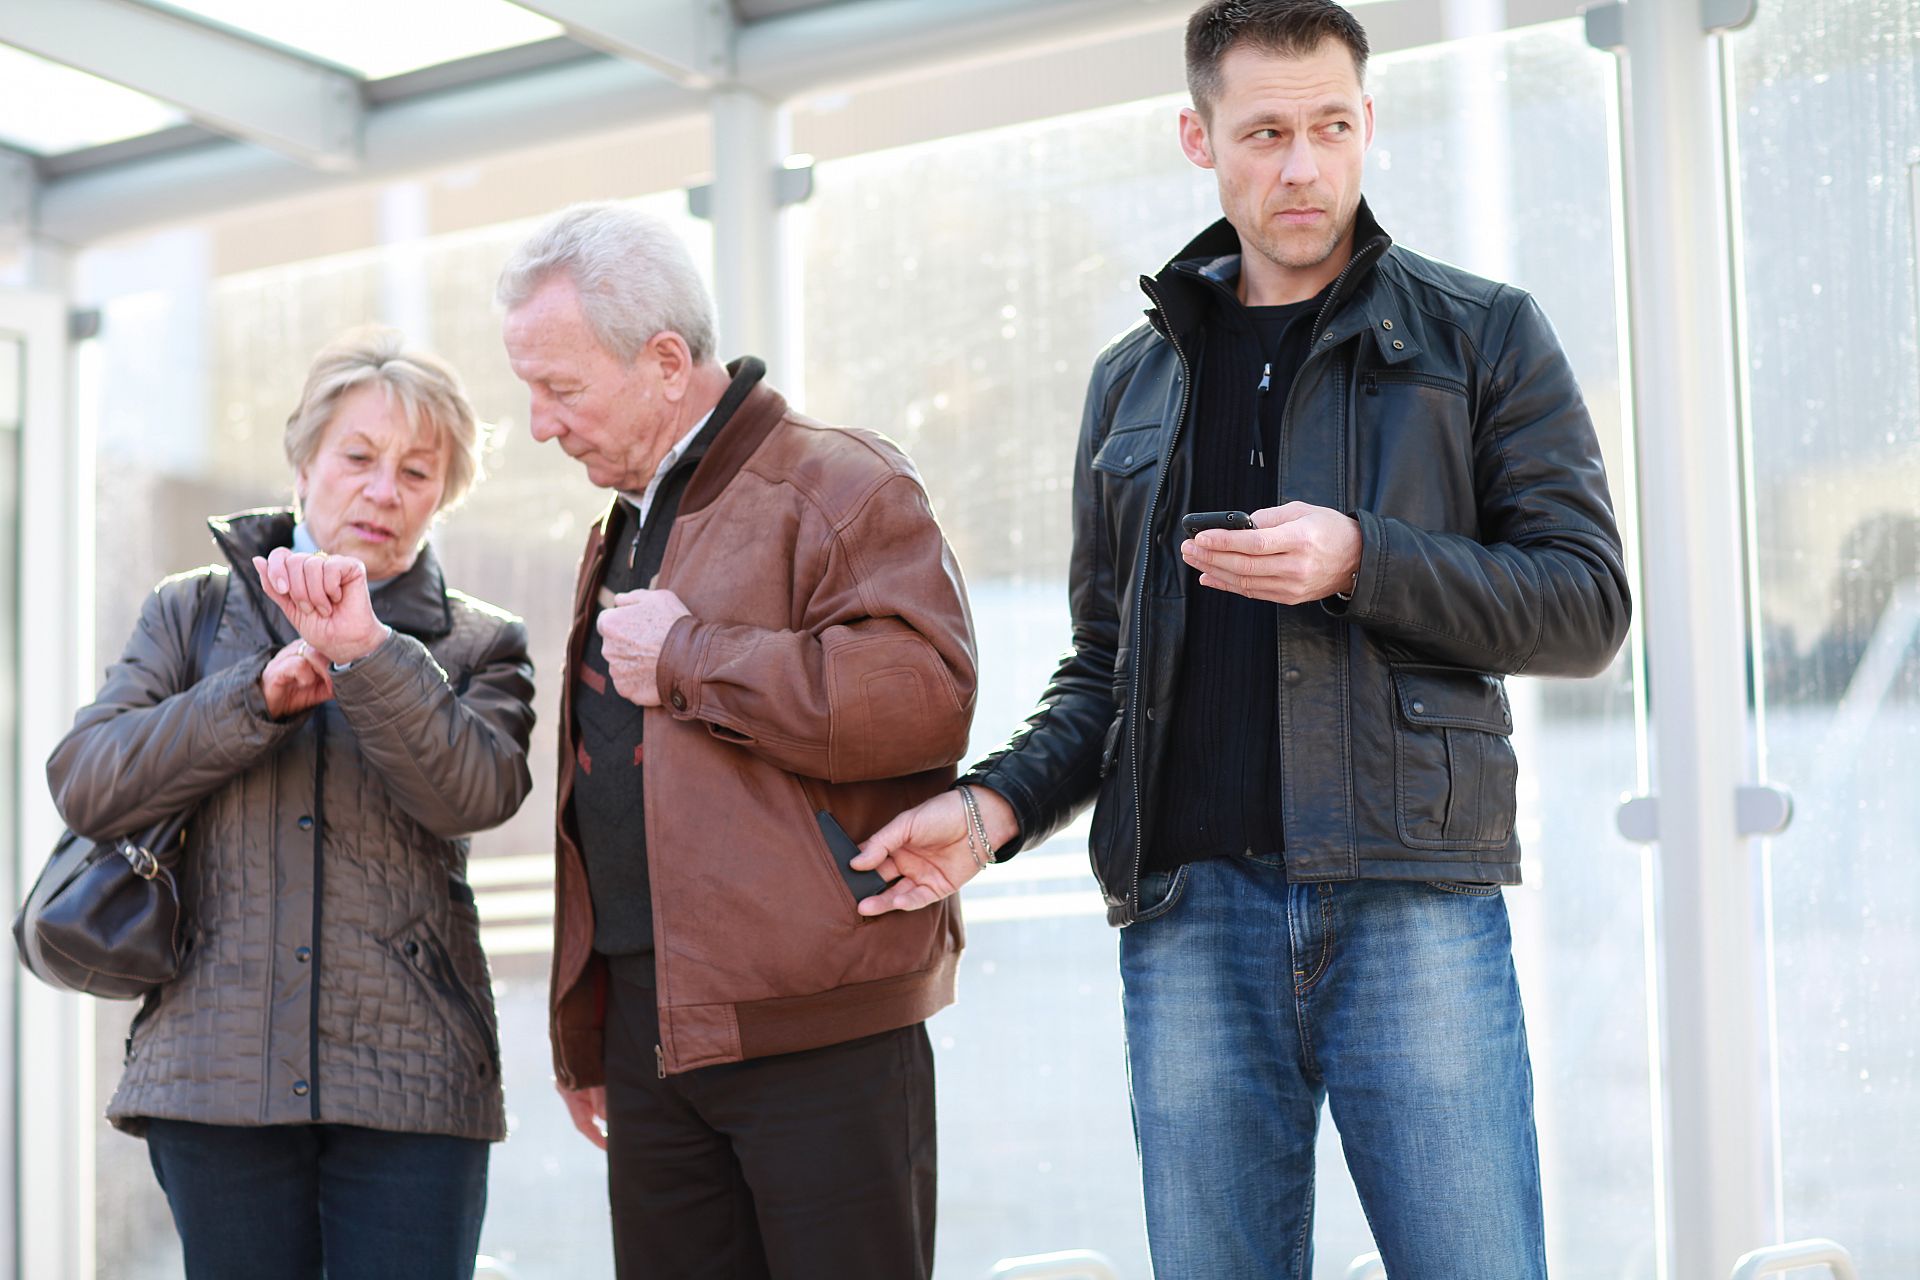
643	502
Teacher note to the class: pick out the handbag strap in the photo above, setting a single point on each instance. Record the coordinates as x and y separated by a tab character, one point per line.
206	621
162	840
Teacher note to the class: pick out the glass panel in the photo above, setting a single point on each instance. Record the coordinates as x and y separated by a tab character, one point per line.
1826	100
12	410
194	383
376	37
47	108
1493	153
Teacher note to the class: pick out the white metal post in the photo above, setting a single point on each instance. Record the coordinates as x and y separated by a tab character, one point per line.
1711	992
50	1057
750	143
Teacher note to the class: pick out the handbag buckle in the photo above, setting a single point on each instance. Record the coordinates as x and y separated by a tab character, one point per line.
144	864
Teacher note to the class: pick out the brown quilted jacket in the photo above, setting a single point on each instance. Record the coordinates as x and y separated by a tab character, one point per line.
828	665
336	974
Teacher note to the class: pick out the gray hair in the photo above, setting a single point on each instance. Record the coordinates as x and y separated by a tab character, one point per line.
424	386
634	275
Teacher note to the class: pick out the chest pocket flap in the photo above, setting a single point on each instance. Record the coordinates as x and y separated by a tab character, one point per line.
1129	448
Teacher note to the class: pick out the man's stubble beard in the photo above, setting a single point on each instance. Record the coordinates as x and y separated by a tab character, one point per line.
1271	249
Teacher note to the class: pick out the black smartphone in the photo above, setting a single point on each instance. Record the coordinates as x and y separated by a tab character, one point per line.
1195	521
862	884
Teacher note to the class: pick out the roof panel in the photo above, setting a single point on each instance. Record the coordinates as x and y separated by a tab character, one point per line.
46	108
754	10
379	38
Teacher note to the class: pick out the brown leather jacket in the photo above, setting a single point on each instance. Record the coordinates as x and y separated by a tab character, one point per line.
828	664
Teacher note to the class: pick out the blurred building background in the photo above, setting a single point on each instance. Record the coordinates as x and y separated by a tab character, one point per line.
194	197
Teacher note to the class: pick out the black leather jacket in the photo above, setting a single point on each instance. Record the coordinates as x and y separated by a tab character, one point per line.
1438	409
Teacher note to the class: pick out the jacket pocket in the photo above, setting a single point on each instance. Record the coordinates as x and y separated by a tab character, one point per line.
426	957
1454	767
1129	449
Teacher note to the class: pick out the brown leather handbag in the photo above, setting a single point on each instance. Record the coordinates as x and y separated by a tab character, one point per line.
104	916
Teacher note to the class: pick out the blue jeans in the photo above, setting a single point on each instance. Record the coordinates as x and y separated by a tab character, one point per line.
295	1202
1249	1000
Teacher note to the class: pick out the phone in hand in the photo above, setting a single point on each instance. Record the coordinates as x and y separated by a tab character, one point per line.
1195	521
862	884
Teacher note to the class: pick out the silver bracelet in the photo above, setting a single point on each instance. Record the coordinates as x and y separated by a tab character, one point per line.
978	845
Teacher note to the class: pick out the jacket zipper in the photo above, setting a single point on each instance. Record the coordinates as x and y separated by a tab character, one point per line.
1371	382
1140	603
660	1061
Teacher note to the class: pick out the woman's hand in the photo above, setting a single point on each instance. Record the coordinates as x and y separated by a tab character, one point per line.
325	598
296	679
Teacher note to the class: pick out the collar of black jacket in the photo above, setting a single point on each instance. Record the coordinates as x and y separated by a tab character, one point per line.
415	602
1211	261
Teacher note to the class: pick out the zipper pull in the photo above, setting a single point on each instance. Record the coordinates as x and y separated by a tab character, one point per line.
660	1061
1371	384
1266	376
633	550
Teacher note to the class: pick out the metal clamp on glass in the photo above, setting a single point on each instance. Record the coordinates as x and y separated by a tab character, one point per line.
1776	1259
1757	811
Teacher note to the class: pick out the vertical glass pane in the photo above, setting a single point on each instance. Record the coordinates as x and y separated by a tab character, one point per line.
195	382
961	317
1826	103
12	410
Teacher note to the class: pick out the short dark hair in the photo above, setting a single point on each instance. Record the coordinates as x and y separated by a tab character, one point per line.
1290	28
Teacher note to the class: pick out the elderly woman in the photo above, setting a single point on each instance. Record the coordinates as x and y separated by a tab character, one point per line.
319	1084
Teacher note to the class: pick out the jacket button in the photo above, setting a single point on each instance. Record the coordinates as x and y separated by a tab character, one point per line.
1399	345
1419	707
306	822
299	1088
303	954
679	700
412	948
1326	338
1386	324
1149	713
1293	675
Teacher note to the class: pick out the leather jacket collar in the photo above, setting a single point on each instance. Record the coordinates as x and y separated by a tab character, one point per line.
1211	261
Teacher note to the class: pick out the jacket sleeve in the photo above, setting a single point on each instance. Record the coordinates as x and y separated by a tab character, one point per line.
148	746
878	682
1544	590
455	757
1050	768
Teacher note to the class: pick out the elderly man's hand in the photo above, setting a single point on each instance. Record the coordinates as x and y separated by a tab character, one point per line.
1294	554
588	1110
326	599
295	679
633	632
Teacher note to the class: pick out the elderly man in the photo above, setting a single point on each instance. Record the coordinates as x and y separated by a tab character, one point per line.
1326	498
771	652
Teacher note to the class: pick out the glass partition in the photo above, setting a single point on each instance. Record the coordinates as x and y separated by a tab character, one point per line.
1826	107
